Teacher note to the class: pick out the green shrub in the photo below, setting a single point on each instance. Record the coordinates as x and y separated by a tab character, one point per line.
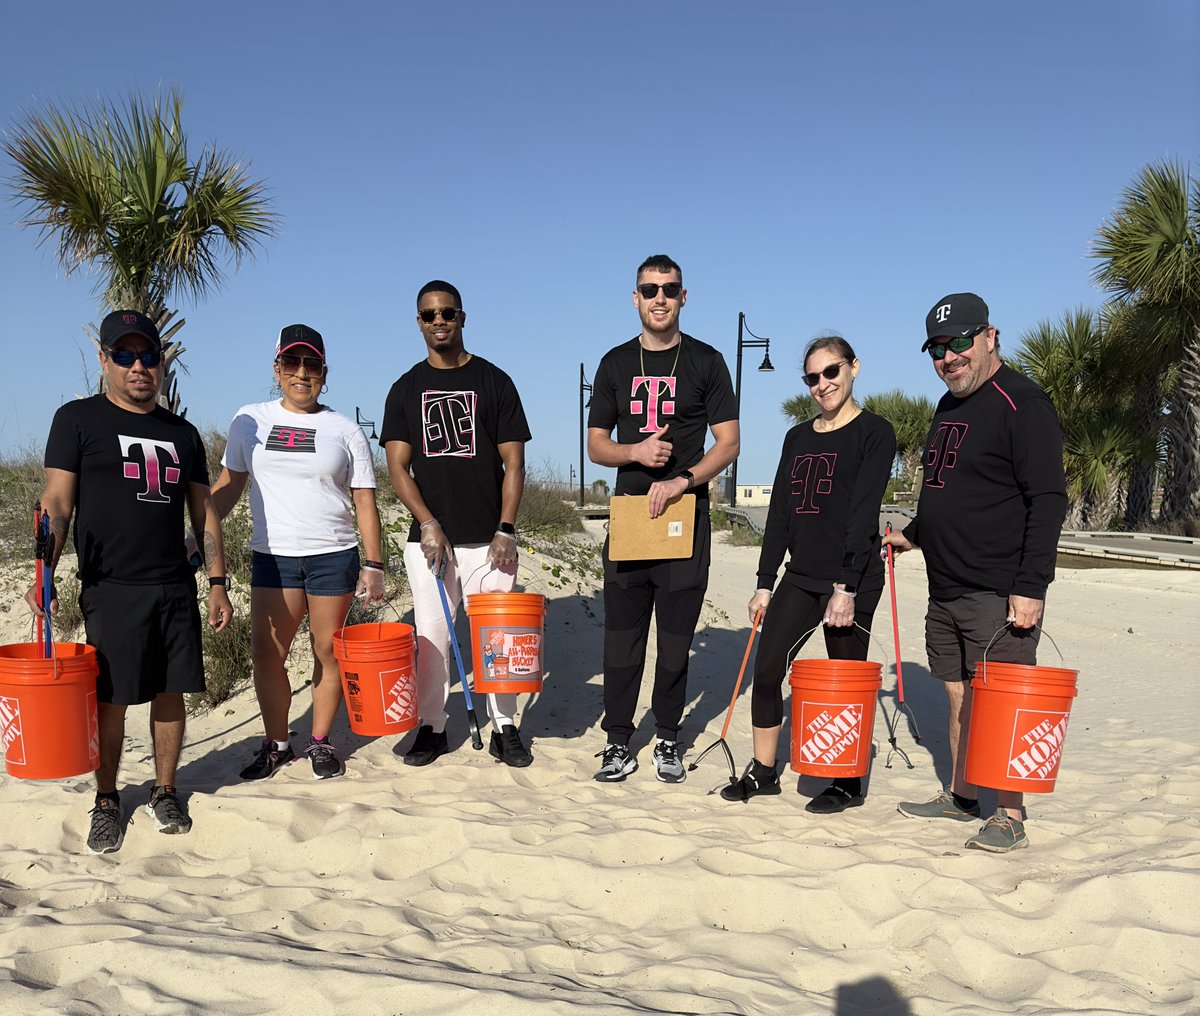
744	536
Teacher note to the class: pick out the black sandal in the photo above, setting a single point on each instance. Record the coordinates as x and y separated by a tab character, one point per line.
833	799
751	785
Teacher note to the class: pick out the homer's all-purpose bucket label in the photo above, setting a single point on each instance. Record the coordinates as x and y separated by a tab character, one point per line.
831	733
1037	744
512	654
398	693
12	739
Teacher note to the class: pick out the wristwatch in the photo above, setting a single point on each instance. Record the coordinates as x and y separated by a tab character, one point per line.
691	479
219	580
507	528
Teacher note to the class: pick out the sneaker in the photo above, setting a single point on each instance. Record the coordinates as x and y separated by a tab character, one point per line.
942	806
1000	834
170	816
833	799
758	779
108	827
426	747
325	762
508	748
268	761
668	765
617	763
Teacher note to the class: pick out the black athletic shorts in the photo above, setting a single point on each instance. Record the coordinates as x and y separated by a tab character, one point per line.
147	640
958	631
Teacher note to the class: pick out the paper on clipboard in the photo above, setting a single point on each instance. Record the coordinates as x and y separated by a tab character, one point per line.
634	536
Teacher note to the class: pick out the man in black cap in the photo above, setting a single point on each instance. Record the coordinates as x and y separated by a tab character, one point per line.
126	469
990	512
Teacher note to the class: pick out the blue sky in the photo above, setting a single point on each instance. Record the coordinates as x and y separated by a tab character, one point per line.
817	166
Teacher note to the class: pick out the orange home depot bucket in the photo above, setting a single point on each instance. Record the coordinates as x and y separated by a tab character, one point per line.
48	710
833	715
379	679
507	637
1018	725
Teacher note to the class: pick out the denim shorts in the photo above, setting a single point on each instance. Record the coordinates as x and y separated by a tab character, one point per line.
333	574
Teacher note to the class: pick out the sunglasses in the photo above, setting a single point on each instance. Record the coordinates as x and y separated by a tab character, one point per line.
291	363
127	357
829	373
448	314
670	290
960	344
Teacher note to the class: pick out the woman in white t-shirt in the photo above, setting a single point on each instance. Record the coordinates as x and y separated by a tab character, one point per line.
308	464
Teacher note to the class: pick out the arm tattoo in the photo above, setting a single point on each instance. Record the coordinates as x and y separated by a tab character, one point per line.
210	548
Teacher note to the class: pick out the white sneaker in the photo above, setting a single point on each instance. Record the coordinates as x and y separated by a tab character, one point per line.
668	765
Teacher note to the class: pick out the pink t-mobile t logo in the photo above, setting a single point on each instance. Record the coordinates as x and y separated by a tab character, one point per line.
156	475
656	388
942	453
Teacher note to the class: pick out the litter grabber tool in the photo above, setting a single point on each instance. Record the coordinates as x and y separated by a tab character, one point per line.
43	552
895	749
472	719
720	742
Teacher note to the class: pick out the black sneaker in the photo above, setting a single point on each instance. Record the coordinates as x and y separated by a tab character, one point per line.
508	748
758	779
268	761
426	747
170	816
325	762
617	762
108	827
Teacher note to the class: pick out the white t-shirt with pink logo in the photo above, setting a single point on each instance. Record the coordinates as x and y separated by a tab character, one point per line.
301	466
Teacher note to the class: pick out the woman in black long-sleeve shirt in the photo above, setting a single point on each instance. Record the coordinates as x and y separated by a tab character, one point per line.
824	512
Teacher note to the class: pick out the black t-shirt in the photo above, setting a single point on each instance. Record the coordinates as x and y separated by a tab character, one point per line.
690	394
133	471
825	506
994	495
454	420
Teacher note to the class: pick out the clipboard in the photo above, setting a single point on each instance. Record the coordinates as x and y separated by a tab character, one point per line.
634	536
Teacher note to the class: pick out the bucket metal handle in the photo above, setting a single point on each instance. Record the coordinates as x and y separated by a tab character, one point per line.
380	624
1005	627
878	644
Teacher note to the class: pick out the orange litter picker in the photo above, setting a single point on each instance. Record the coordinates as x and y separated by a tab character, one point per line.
720	743
900	703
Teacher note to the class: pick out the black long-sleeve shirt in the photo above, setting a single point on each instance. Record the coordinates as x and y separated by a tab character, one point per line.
825	506
994	495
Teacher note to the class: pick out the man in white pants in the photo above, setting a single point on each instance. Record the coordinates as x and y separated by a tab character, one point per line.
454	432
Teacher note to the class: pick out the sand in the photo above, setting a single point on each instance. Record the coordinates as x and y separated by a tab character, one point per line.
467	886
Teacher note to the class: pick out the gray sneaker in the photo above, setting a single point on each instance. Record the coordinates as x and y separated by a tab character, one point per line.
942	806
108	827
1000	834
668	765
617	762
168	812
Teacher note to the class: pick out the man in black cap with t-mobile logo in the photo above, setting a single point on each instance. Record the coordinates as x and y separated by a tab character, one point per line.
990	512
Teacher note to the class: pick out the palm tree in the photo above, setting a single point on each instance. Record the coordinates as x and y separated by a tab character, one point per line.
1081	362
1149	256
800	408
113	187
910	417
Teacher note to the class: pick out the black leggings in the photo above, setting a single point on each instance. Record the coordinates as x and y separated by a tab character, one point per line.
791	613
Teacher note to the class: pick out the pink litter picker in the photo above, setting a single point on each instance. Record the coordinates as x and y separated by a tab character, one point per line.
900	703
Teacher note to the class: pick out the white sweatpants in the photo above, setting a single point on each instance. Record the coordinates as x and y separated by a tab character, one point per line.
468	572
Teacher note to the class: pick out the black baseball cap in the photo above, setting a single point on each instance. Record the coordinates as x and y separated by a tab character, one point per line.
954	316
120	323
300	335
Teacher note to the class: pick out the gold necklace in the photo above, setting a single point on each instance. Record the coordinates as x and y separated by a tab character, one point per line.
642	355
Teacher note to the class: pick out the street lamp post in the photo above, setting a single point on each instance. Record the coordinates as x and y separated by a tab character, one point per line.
363	422
583	387
755	342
